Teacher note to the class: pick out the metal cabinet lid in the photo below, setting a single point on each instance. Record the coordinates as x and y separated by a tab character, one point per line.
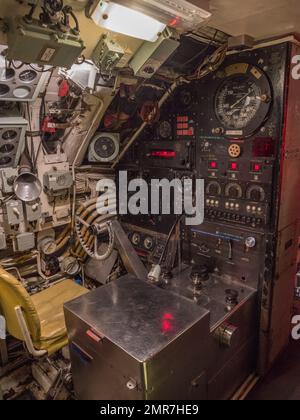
140	318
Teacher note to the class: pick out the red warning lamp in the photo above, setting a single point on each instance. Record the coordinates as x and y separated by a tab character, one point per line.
256	167
213	165
234	166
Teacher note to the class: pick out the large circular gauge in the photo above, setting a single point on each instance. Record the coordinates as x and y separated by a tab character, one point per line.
9	135
243	100
5	160
28	76
6	74
165	129
7	148
4	89
104	148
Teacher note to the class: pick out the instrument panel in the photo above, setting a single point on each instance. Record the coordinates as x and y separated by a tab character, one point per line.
243	100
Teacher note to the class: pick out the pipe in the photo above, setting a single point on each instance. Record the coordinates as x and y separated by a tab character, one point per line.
83	144
135	136
26	334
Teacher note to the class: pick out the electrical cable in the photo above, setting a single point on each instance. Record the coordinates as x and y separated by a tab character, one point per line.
178	219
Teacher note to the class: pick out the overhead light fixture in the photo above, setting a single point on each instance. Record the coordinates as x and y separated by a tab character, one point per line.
147	19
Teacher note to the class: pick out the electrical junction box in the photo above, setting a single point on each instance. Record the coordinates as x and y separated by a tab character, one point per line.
2	241
152	55
109	55
33	211
31	42
14	211
24	242
56	182
8	177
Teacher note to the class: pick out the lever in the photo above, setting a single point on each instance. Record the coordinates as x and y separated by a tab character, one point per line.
229	249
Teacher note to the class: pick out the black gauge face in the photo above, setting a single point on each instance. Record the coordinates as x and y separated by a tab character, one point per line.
6	74
7	148
9	135
165	129
243	101
185	97
28	76
105	147
3	90
5	160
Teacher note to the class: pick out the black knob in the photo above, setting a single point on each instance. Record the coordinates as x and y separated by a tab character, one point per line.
255	195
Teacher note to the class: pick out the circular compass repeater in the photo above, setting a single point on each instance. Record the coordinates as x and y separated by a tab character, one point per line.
243	99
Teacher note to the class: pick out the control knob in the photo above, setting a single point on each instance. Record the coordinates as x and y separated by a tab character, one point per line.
213	188
233	190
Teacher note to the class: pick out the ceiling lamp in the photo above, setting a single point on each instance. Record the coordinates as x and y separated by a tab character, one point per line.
146	19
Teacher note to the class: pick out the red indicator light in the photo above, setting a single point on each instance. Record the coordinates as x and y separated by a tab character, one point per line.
213	165
165	154
167	323
234	166
256	167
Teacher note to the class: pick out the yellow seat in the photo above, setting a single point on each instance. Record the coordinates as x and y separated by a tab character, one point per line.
43	313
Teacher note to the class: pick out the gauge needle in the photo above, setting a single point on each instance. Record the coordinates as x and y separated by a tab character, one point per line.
241	99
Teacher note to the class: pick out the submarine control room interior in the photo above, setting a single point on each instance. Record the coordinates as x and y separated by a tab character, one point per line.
149	200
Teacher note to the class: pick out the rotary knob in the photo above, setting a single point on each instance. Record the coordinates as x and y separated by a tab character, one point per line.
213	188
250	242
233	191
148	243
136	239
256	193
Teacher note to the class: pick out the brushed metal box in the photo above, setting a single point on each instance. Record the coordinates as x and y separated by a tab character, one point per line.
130	340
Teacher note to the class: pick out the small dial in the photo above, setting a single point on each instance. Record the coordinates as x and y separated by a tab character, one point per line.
185	97
105	147
213	188
256	193
9	135
6	74
148	243
233	191
5	160
4	89
136	239
28	76
7	148
165	129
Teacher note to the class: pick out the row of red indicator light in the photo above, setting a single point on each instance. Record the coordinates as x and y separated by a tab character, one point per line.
233	166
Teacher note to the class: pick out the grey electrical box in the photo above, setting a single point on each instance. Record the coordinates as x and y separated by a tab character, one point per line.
15	214
2	241
56	182
8	176
25	242
33	212
152	55
31	42
107	54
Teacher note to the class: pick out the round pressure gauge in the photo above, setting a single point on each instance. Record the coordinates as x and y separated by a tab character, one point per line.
6	74
28	76
104	148
243	100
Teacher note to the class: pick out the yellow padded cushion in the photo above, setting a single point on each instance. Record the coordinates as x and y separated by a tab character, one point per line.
13	294
49	306
43	312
